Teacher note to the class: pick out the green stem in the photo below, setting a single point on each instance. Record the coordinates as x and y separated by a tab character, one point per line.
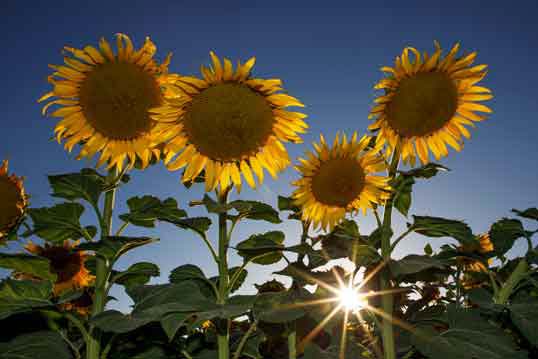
517	275
244	340
387	299
187	355
102	271
402	236
223	338
292	346
458	286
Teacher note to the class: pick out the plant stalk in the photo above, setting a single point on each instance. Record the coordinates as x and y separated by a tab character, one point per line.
223	338
387	303
292	345
101	277
517	275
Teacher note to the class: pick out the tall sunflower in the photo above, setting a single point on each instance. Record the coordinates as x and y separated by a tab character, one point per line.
104	100
13	200
339	179
428	102
67	263
228	123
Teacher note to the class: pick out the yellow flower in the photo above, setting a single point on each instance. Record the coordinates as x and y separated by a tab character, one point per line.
67	263
228	123
340	179
428	102
13	200
482	246
104	100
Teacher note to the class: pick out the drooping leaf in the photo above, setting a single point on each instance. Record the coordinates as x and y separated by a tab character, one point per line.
441	227
199	225
427	171
413	264
186	272
287	204
403	186
263	248
29	264
363	255
137	274
87	185
524	316
172	322
114	247
19	296
278	307
298	272
116	322
144	211
43	345
57	223
504	233
256	211
529	213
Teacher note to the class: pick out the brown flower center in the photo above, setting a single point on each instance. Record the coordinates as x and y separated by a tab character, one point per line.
63	262
228	122
338	182
115	99
422	104
10	196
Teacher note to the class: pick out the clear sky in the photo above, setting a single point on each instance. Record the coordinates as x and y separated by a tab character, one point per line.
328	54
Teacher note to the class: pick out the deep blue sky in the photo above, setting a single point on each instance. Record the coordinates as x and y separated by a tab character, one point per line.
328	55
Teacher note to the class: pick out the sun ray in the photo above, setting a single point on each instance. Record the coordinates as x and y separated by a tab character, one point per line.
319	327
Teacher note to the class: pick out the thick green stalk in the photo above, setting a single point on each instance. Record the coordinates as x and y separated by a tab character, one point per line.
102	271
387	303
292	345
517	275
223	338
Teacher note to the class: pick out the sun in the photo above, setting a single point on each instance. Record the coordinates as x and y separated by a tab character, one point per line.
351	300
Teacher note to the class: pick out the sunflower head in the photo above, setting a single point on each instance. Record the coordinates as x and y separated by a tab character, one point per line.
339	179
82	305
428	101
67	263
13	201
104	98
228	124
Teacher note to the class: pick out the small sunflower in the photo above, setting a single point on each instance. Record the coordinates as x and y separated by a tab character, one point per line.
428	102
339	179
82	305
67	263
13	201
228	123
104	100
482	246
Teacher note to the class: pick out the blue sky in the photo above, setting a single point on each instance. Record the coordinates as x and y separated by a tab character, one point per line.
328	55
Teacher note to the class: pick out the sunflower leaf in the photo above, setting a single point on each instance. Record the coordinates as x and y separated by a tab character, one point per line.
137	274
199	225
263	248
144	211
238	283
19	296
28	264
87	185
256	211
504	233
403	186
57	223
529	213
524	317
413	264
441	227
44	345
278	307
113	247
427	171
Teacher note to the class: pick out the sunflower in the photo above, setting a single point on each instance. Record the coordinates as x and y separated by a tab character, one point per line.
104	100
228	123
67	263
82	305
428	102
339	179
13	201
483	246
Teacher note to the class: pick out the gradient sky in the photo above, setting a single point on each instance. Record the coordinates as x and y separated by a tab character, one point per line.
328	55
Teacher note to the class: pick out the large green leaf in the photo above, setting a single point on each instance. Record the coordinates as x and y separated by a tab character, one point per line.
57	223
231	273
504	233
529	213
403	186
199	225
287	204
29	264
413	264
19	296
87	185
116	322
441	227
137	274
192	273
263	248
114	247
256	211
43	345
299	272
525	317
172	322
427	171
279	307
144	211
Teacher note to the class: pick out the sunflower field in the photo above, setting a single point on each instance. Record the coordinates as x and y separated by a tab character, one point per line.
116	104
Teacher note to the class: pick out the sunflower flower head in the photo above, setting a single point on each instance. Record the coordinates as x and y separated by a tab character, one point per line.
13	201
340	179
67	263
82	305
428	102
227	124
103	100
482	246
